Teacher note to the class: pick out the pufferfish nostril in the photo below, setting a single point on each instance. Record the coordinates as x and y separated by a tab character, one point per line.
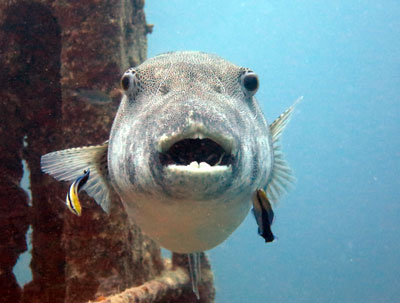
125	83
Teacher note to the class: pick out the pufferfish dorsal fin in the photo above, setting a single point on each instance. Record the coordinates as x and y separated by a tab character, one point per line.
281	176
68	165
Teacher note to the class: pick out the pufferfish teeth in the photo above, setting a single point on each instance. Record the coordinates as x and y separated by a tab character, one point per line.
198	136
204	165
194	164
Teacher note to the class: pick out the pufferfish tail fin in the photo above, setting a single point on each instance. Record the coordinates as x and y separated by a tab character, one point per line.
68	165
281	177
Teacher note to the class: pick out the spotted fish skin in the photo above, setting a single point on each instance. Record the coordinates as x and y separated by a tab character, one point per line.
187	92
185	207
189	153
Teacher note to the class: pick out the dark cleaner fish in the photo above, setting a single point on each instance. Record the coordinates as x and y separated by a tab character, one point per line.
187	153
264	215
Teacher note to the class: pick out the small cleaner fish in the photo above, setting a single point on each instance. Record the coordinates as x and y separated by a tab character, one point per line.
72	199
264	215
189	153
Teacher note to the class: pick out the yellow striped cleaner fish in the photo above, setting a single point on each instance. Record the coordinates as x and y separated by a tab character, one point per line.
72	199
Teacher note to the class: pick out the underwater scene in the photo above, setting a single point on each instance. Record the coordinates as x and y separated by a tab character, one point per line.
199	151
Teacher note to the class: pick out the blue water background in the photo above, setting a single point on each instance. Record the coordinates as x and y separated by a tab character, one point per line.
338	230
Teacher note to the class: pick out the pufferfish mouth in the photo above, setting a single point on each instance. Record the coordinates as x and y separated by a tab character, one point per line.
196	150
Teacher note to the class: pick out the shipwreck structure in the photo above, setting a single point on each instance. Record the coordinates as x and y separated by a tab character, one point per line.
61	61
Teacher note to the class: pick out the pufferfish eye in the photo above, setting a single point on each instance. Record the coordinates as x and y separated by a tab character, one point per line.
249	82
128	79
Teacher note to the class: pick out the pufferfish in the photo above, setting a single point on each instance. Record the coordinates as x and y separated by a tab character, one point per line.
189	153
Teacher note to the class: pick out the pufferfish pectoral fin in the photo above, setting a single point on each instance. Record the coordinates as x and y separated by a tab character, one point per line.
68	165
264	215
280	179
281	174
